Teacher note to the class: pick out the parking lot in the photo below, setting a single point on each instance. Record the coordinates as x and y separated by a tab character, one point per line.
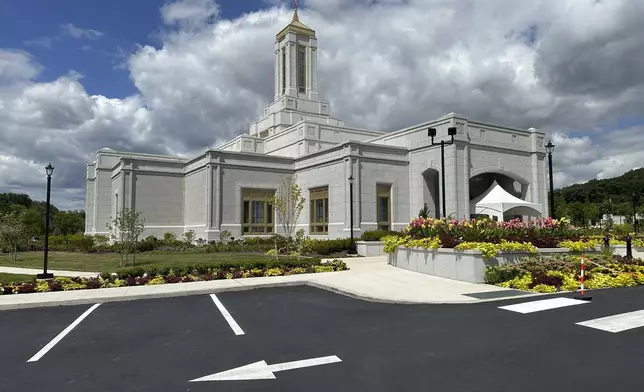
302	338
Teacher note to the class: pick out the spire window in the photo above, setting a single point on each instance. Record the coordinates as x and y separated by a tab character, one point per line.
301	69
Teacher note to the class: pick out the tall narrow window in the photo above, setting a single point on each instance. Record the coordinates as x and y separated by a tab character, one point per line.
383	204
319	211
257	212
301	69
283	71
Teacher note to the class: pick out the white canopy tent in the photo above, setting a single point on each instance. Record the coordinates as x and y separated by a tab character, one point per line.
496	201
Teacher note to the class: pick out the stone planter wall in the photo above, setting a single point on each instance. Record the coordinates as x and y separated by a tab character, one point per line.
370	248
464	265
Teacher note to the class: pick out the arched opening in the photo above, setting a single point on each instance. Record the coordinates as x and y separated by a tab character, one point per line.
480	183
431	192
501	197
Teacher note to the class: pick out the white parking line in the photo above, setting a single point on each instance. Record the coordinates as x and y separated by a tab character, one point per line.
231	321
544	304
61	335
616	323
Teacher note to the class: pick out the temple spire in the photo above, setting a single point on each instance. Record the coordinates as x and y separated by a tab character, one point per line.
296	18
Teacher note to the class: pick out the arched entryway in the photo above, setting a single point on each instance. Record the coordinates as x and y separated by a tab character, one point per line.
502	196
431	192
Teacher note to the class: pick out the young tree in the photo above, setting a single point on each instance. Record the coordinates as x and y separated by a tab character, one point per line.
125	230
189	237
288	204
13	233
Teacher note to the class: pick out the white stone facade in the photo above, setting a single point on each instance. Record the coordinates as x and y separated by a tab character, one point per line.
394	173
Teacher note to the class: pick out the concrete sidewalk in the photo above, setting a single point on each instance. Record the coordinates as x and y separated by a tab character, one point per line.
33	271
369	278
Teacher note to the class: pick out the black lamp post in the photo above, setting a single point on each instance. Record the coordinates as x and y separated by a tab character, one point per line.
451	131
47	275
599	203
351	251
635	203
549	149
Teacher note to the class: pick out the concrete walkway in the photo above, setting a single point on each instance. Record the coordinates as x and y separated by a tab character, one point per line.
369	278
33	271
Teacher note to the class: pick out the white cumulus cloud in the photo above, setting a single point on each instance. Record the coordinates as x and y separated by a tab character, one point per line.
569	67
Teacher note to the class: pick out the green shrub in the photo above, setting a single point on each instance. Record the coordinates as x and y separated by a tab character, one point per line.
377	235
325	247
621	229
495	274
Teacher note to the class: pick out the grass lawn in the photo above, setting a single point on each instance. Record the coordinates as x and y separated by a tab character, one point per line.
15	278
109	262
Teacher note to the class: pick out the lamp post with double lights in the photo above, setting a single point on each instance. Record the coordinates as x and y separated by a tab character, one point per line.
451	131
49	169
549	149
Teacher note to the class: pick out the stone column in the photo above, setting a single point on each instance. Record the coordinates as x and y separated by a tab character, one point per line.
464	168
209	198
278	70
96	189
217	199
132	189
347	205
357	196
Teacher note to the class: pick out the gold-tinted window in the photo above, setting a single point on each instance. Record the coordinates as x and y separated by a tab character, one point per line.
319	211
257	212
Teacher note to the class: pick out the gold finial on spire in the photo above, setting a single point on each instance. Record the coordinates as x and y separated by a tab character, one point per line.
295	16
295	26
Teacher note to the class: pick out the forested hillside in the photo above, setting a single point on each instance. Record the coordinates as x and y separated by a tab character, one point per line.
587	201
32	214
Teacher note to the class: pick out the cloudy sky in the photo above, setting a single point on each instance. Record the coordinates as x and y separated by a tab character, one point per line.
179	77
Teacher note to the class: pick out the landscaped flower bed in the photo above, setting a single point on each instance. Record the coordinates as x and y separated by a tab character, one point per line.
153	276
461	250
561	273
490	237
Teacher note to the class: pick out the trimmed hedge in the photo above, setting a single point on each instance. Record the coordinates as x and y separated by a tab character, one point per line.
139	276
203	268
378	235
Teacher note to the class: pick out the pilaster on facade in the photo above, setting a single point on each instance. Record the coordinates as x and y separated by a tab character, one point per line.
208	196
278	67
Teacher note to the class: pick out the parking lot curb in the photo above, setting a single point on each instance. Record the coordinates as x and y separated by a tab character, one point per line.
241	287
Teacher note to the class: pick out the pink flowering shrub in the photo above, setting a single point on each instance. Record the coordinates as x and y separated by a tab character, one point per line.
542	233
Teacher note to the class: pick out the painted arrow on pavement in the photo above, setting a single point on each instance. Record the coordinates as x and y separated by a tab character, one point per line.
263	371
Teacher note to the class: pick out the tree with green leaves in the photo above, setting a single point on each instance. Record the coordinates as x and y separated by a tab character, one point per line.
125	230
288	204
189	237
13	233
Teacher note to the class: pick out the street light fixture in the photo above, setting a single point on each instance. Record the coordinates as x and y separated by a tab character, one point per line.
451	131
49	169
352	247
635	203
549	149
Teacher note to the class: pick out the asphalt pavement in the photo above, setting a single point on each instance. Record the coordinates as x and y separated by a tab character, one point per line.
306	339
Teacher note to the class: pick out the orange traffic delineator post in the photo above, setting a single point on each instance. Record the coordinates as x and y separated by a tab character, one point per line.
581	296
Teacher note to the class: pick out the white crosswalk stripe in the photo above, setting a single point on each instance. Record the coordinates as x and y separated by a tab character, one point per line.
616	323
544	304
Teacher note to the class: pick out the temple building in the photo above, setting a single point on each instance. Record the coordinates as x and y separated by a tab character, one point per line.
489	169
